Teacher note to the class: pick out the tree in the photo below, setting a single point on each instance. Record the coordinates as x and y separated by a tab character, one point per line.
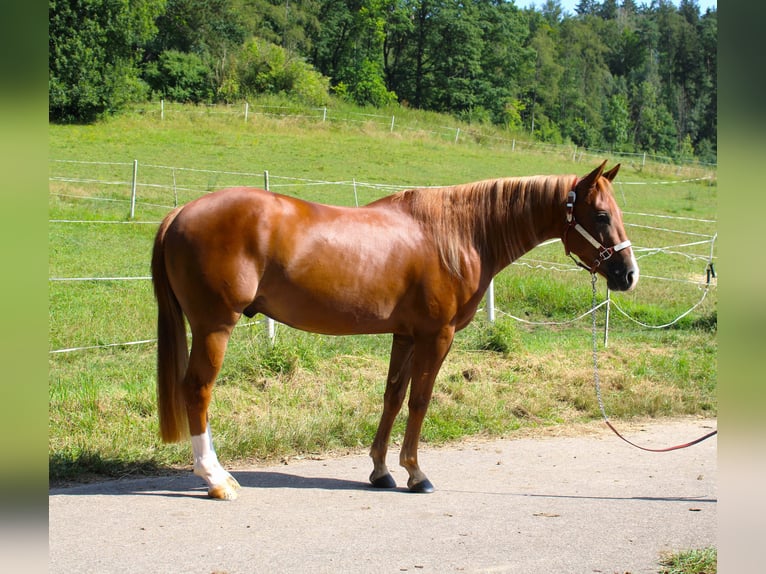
94	48
210	29
552	11
586	7
543	94
653	125
617	122
609	10
507	62
586	81
203	27
350	49
292	24
456	57
180	76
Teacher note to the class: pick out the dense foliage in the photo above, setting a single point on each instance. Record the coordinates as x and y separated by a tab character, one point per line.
614	74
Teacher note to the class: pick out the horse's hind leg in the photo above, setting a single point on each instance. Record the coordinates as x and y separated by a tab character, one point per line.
396	387
205	360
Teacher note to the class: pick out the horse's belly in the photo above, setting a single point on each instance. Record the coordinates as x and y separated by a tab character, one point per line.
331	311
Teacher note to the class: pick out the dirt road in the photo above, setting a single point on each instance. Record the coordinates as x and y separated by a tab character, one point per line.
573	504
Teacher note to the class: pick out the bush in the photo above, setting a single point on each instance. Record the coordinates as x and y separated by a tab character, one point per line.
265	68
180	76
366	87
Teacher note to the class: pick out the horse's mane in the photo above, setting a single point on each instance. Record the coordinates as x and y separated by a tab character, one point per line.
494	216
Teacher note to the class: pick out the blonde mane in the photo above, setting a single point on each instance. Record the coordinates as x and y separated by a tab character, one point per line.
496	217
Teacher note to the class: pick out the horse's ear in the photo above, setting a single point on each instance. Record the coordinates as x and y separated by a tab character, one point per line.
588	181
612	173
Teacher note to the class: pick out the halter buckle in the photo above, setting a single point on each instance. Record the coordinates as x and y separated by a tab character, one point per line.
605	253
570	206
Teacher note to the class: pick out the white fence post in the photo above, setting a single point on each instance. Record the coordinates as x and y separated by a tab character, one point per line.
175	189
457	134
247	108
491	301
270	324
133	190
606	320
392	123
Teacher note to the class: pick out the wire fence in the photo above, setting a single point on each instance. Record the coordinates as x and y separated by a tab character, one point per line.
391	122
149	192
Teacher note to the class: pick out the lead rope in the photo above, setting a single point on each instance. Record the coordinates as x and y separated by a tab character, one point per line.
597	383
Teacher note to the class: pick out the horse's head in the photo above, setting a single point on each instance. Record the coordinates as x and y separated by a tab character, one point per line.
595	233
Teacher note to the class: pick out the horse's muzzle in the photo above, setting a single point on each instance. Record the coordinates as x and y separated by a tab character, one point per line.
621	277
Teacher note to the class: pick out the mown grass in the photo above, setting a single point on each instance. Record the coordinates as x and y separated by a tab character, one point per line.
308	393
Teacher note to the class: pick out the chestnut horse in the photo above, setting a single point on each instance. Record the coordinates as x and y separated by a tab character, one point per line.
415	264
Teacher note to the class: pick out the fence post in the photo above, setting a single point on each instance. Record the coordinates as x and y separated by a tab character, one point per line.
356	198
513	144
491	301
324	114
606	320
270	325
392	123
457	134
247	108
175	189
133	190
162	109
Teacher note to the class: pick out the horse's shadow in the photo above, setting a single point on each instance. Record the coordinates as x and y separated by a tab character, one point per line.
188	485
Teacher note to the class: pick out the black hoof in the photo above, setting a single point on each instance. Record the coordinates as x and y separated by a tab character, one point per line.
385	481
424	486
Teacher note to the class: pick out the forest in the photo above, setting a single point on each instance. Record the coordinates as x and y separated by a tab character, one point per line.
625	76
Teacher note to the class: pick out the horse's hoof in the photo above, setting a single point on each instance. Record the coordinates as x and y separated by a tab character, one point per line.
385	481
232	482
424	486
222	492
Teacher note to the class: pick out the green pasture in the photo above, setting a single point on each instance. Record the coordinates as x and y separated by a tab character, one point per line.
308	393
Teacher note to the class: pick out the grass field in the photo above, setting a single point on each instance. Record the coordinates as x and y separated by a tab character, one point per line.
309	393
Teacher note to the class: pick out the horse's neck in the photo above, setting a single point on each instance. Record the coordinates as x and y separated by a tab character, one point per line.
531	228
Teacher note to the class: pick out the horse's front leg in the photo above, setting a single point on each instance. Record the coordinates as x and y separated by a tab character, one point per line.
429	354
398	379
205	362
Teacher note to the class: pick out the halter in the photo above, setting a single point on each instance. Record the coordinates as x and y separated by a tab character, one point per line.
604	253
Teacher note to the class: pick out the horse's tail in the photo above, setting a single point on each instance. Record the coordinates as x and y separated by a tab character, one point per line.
172	349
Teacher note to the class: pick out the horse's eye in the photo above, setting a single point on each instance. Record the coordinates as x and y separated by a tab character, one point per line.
603	218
